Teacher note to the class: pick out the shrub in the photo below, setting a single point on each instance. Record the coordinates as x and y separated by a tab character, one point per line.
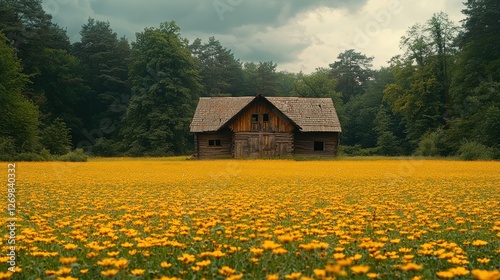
76	156
427	145
28	157
471	150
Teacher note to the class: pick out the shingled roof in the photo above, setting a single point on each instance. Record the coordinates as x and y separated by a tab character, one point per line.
309	114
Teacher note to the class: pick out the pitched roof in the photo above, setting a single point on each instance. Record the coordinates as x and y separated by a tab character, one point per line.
309	114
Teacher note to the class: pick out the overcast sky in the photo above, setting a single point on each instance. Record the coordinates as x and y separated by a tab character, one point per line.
296	34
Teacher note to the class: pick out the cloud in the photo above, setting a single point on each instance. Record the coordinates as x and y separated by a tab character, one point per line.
298	35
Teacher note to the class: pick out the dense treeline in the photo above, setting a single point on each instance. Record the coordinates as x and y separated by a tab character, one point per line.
439	97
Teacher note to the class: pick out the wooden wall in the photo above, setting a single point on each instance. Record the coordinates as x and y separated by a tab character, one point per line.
304	143
203	150
277	121
261	144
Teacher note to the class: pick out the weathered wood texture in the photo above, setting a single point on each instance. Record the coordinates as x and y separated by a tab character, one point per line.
304	143
204	150
262	144
277	121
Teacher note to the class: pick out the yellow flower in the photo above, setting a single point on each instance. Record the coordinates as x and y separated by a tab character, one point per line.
106	262
70	246
165	264
120	264
270	245
137	271
286	238
257	251
235	277
6	275
445	274
63	271
319	273
481	274
227	271
459	271
67	278
272	277
204	263
279	251
127	245
113	254
411	267
84	271
372	275
68	260
479	243
360	269
187	258
483	260
110	272
293	276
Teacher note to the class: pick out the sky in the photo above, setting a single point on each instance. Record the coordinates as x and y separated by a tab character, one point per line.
298	35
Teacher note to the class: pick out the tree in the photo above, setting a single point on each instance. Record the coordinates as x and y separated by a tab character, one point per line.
104	65
56	137
476	82
221	74
19	116
165	88
420	92
352	70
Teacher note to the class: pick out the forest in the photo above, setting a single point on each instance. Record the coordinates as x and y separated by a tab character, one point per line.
106	96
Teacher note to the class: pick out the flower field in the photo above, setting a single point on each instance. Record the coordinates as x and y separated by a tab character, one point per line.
256	219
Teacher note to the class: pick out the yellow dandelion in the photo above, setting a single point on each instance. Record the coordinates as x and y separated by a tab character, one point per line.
411	267
165	264
68	260
226	271
110	272
360	269
137	271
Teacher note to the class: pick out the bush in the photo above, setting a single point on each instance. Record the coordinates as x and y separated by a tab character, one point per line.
427	145
107	148
7	148
28	157
76	156
471	150
56	138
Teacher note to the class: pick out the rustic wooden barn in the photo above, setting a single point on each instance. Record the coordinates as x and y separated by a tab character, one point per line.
242	127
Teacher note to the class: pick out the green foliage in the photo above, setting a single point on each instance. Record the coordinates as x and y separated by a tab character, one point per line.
165	89
221	74
352	70
471	150
427	145
56	137
107	148
19	116
75	156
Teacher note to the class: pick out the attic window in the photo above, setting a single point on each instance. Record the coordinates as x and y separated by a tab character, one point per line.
214	143
319	145
255	118
265	117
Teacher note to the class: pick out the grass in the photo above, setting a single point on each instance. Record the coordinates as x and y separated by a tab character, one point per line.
172	218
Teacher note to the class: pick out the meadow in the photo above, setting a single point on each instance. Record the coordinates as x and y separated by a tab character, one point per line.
255	219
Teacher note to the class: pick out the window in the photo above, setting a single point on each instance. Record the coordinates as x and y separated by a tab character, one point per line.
214	143
265	117
255	118
319	145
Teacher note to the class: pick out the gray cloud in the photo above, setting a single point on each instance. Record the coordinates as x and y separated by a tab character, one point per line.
255	30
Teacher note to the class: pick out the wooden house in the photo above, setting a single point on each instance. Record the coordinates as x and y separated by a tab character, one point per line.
258	126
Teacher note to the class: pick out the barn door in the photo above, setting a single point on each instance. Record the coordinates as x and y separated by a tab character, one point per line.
254	147
239	149
268	145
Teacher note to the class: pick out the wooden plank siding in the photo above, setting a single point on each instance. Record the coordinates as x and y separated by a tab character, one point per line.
277	121
262	144
304	143
204	150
